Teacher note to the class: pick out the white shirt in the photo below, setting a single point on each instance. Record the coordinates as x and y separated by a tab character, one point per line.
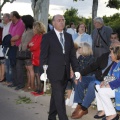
6	30
71	31
78	39
58	35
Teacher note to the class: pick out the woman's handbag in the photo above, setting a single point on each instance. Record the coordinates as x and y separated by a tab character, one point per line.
23	55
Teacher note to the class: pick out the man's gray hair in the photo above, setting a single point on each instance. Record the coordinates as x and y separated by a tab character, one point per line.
99	19
7	15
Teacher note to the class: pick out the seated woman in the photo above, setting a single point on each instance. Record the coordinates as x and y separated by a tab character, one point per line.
104	92
84	60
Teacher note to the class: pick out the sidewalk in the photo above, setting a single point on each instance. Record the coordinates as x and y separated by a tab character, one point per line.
43	100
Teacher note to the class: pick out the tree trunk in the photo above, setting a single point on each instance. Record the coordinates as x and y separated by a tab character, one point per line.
94	10
44	12
40	10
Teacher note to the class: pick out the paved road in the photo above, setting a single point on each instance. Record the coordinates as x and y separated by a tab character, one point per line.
9	110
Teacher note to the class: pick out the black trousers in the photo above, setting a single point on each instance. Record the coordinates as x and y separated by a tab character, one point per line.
18	73
57	102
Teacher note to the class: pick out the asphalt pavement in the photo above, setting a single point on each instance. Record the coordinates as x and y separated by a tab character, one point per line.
36	110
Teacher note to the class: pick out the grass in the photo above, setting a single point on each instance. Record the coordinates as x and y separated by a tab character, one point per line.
24	100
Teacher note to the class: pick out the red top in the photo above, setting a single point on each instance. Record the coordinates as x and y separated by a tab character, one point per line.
35	49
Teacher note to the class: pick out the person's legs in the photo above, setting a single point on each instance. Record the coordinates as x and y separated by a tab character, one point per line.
30	74
68	92
14	75
20	73
2	69
58	101
80	88
38	81
90	94
98	100
8	71
52	109
105	95
88	83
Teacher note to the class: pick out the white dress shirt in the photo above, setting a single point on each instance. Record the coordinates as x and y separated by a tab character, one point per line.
58	35
6	29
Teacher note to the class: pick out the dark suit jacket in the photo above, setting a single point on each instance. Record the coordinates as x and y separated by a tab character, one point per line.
97	67
52	55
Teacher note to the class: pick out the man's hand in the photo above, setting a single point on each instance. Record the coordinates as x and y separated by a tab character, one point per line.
77	75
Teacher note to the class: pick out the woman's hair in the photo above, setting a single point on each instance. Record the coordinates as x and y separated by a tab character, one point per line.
40	27
28	21
77	29
116	51
86	49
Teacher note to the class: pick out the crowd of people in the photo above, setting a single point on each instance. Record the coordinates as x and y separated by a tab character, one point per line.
21	34
94	66
76	61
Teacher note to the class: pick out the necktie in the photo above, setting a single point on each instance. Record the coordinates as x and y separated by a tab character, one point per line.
61	39
62	42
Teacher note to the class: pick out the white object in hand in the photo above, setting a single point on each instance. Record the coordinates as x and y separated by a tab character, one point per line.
43	76
77	75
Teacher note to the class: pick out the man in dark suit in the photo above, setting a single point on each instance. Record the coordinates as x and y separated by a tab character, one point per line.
57	51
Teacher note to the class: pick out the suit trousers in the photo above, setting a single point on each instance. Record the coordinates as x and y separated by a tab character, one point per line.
103	97
57	102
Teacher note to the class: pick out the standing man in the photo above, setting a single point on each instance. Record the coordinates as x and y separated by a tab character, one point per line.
7	22
57	51
16	30
101	37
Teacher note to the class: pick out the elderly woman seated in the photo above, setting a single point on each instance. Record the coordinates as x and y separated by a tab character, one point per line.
106	90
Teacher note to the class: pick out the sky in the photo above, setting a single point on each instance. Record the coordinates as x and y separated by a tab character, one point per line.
59	7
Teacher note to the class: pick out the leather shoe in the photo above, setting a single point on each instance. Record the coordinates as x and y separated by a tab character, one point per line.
115	118
80	114
11	85
19	87
99	117
76	110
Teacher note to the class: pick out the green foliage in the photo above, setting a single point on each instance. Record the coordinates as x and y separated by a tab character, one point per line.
113	21
71	15
25	100
113	4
